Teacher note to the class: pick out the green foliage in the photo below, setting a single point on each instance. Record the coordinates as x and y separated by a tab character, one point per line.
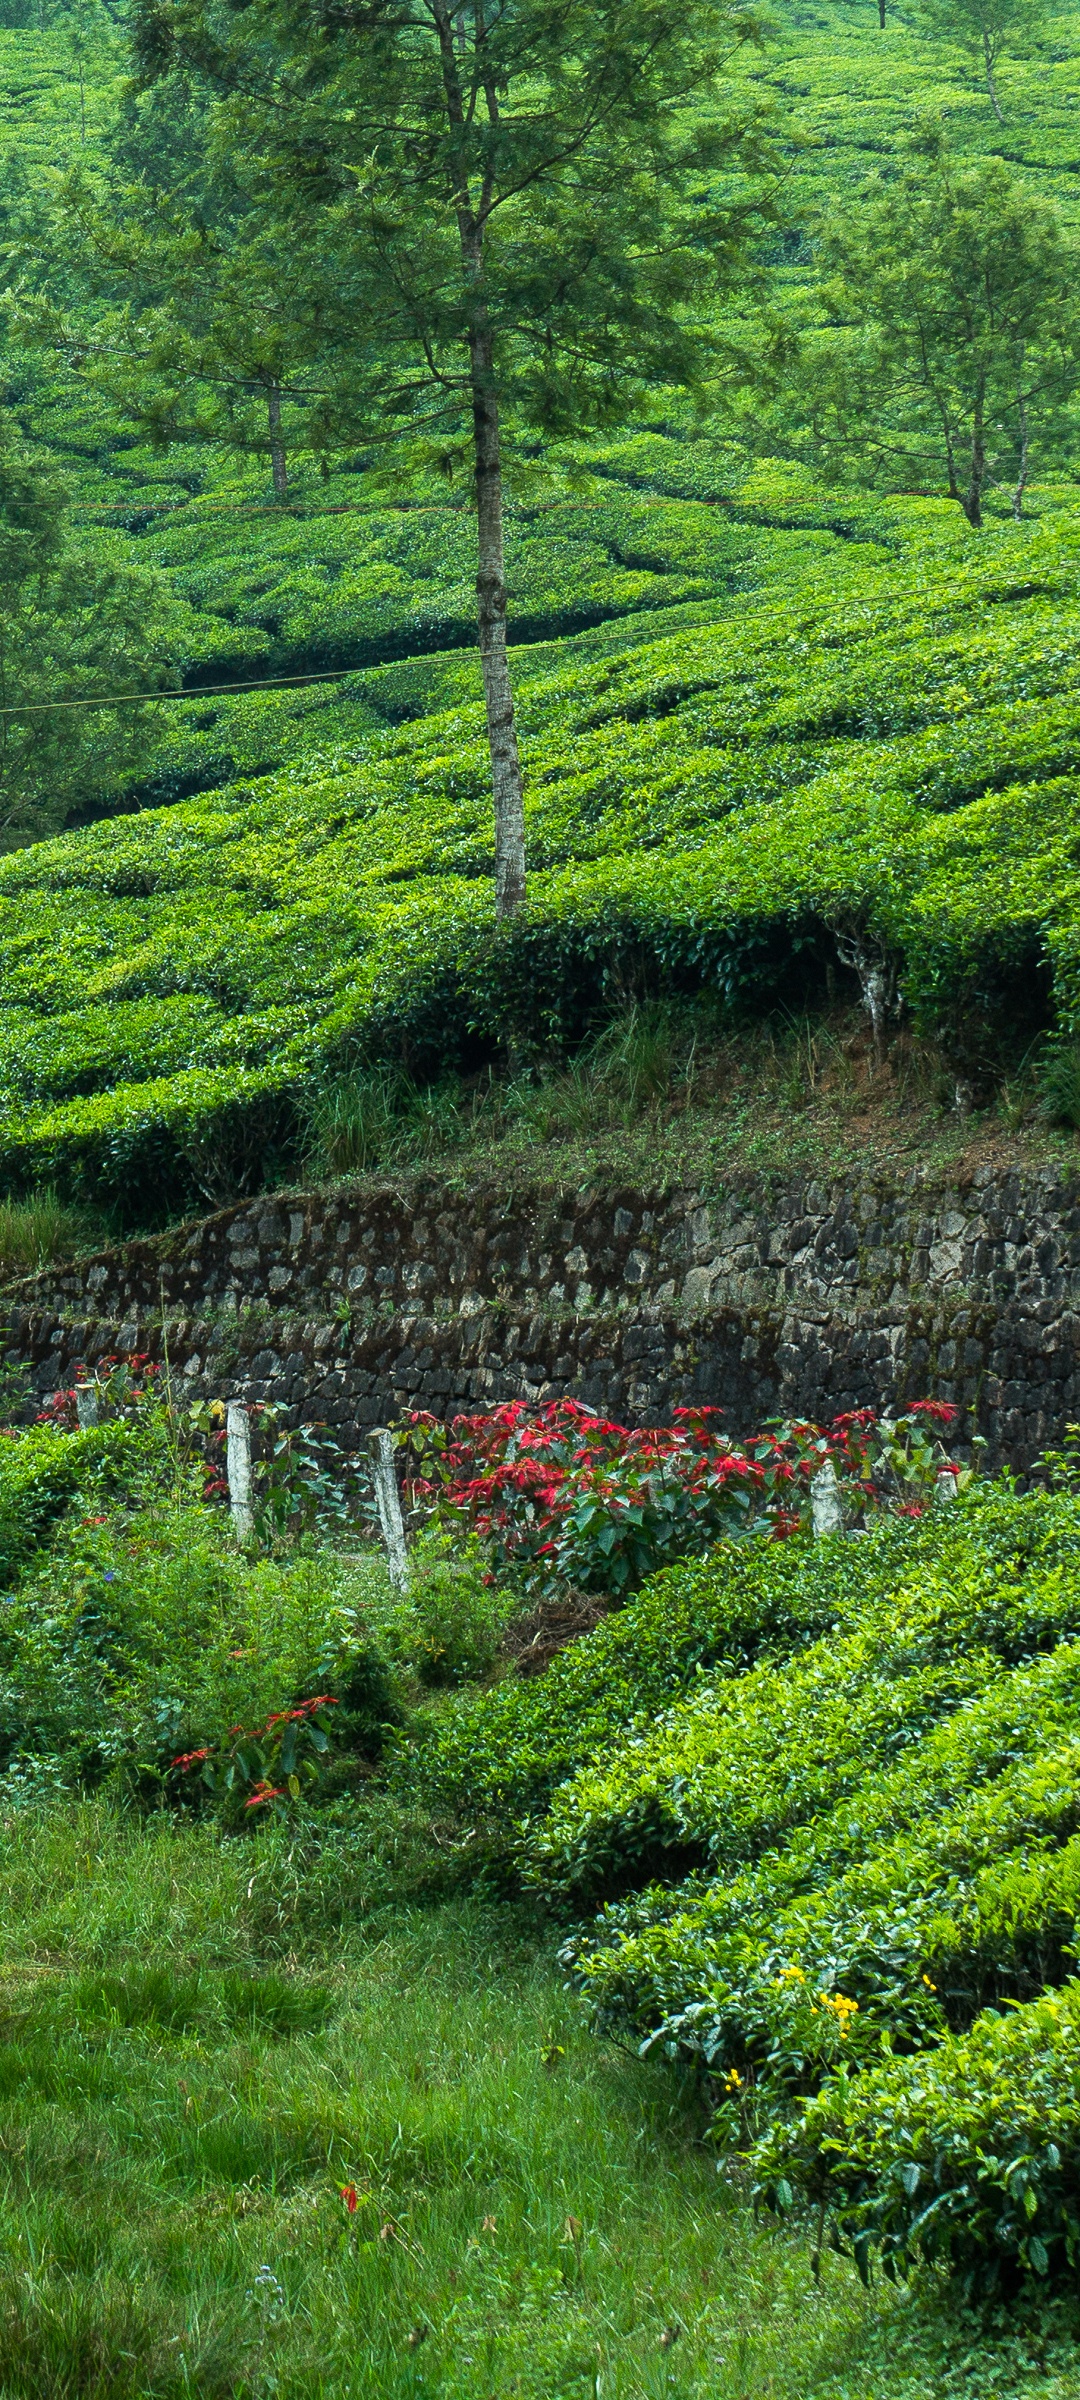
268	1767
754	717
359	1121
452	1618
967	2155
867	1847
985	28
959	287
34	1232
445	1628
137	1641
78	623
534	213
180	981
136	1630
44	1470
501	1754
1059	1079
201	320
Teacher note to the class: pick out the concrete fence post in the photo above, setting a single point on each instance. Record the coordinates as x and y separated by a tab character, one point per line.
86	1406
391	1524
825	1504
238	1469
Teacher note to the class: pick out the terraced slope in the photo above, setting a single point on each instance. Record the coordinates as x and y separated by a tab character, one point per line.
757	716
881	732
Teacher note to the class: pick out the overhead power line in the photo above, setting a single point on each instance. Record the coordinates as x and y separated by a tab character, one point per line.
202	691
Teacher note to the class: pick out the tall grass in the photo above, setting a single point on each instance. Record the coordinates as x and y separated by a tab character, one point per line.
205	2040
679	1081
1059	1081
35	1232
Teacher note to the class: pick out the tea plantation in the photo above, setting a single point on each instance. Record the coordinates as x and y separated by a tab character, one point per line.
757	714
875	728
696	2018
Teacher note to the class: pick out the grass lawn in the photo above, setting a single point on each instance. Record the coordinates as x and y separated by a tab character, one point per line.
204	2039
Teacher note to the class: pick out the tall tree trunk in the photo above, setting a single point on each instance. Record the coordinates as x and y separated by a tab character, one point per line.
1022	476
973	503
491	608
278	468
506	779
881	14
988	62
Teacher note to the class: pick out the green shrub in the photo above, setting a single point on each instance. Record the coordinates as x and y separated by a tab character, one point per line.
146	1633
43	1470
968	2155
920	1869
456	1619
883	1838
502	1753
446	1627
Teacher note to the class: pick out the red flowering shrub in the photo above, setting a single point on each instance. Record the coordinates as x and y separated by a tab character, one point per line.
267	1767
566	1497
125	1388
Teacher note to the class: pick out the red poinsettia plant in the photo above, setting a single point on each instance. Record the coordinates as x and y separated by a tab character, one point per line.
264	1769
565	1497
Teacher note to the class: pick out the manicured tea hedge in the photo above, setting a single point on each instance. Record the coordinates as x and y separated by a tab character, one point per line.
889	740
1001	1575
865	1886
829	1793
967	2154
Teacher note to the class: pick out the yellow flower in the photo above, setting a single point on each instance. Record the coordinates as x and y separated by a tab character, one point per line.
841	2008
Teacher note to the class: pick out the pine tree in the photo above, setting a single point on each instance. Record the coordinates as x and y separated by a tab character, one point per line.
81	633
955	329
160	278
507	215
986	28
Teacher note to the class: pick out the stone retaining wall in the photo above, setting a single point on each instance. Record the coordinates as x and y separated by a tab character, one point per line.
767	1300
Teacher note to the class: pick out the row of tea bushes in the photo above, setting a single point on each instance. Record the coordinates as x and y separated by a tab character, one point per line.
889	744
841	1872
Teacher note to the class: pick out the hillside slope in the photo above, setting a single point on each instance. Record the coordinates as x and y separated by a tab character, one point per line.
762	722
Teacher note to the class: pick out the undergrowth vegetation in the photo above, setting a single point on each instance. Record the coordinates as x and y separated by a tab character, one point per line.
266	2135
824	1791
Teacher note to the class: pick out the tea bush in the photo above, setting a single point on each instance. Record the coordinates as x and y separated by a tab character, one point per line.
832	1864
860	1855
967	2155
883	734
742	1761
1016	1559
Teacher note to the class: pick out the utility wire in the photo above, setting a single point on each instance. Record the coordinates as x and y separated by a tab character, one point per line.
302	509
264	508
201	691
